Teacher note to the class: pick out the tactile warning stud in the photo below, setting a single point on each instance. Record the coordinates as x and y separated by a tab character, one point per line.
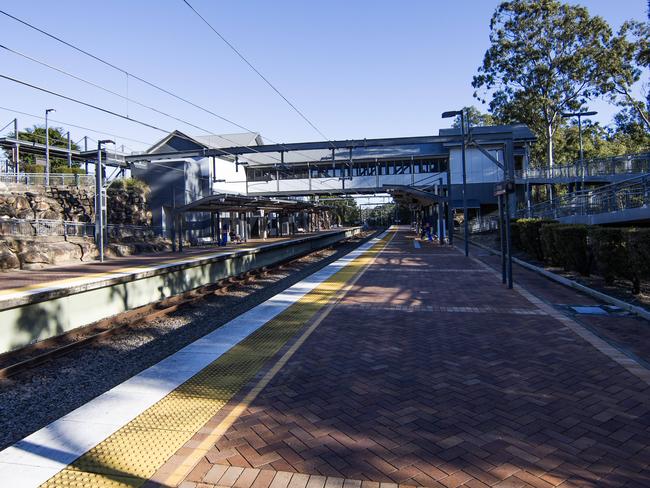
132	455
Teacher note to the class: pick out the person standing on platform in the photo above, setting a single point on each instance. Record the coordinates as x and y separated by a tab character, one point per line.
224	235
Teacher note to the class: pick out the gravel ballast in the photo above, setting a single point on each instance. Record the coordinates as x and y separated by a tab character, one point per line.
33	399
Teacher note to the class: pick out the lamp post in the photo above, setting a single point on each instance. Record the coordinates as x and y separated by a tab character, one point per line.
445	115
47	147
567	115
99	200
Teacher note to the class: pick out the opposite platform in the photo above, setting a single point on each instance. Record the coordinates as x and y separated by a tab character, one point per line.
36	305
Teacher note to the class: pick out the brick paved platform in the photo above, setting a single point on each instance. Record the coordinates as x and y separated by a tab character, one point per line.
430	373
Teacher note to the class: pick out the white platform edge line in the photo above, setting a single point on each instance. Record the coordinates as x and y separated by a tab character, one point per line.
41	455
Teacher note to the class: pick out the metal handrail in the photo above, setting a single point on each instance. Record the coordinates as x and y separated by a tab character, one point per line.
55	179
630	193
483	224
64	228
625	164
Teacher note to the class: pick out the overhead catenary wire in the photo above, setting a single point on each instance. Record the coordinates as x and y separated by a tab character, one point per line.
101	109
69	124
107	90
257	71
135	77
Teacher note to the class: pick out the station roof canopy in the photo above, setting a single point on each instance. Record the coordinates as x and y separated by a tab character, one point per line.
407	195
228	202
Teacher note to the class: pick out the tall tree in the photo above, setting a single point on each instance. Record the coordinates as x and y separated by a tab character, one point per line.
545	58
474	117
57	138
629	54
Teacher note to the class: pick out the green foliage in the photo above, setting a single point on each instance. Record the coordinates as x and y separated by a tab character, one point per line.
572	247
474	117
57	138
550	248
129	184
614	252
346	210
530	237
609	250
515	235
638	244
629	54
545	57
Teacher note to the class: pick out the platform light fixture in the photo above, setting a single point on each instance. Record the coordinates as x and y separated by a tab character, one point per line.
99	199
568	115
47	147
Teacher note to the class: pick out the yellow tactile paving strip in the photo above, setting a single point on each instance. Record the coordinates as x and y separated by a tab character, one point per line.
133	454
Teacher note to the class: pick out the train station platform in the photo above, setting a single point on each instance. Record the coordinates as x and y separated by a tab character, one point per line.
397	365
38	304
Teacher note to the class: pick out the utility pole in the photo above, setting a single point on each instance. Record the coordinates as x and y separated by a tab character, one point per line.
99	199
445	115
582	157
47	147
17	162
69	151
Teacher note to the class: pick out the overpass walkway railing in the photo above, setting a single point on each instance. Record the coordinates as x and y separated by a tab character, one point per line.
623	195
629	164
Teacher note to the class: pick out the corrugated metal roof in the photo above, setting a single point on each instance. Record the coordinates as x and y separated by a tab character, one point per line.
230	140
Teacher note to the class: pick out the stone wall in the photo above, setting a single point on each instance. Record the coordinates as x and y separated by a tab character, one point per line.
73	204
32	253
128	206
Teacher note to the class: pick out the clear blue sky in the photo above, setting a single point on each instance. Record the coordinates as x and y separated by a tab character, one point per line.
356	68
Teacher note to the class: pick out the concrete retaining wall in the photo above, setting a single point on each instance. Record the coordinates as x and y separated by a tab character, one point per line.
45	315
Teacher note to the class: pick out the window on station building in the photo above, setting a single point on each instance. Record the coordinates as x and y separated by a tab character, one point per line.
429	165
322	171
364	169
264	174
403	167
294	173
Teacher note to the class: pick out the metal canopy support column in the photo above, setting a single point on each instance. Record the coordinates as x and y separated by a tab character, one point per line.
173	232
99	203
17	161
86	149
510	203
218	228
181	217
502	238
277	172
450	215
69	151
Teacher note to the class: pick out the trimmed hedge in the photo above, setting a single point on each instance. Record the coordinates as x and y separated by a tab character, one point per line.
571	244
638	244
610	252
550	250
622	253
529	236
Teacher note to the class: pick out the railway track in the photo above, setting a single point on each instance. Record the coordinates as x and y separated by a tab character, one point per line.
26	358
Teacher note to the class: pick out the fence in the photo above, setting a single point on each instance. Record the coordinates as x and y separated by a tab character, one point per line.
483	224
55	179
631	193
627	164
30	228
61	228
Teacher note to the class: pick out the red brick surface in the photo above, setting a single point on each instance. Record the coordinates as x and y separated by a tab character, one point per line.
403	383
